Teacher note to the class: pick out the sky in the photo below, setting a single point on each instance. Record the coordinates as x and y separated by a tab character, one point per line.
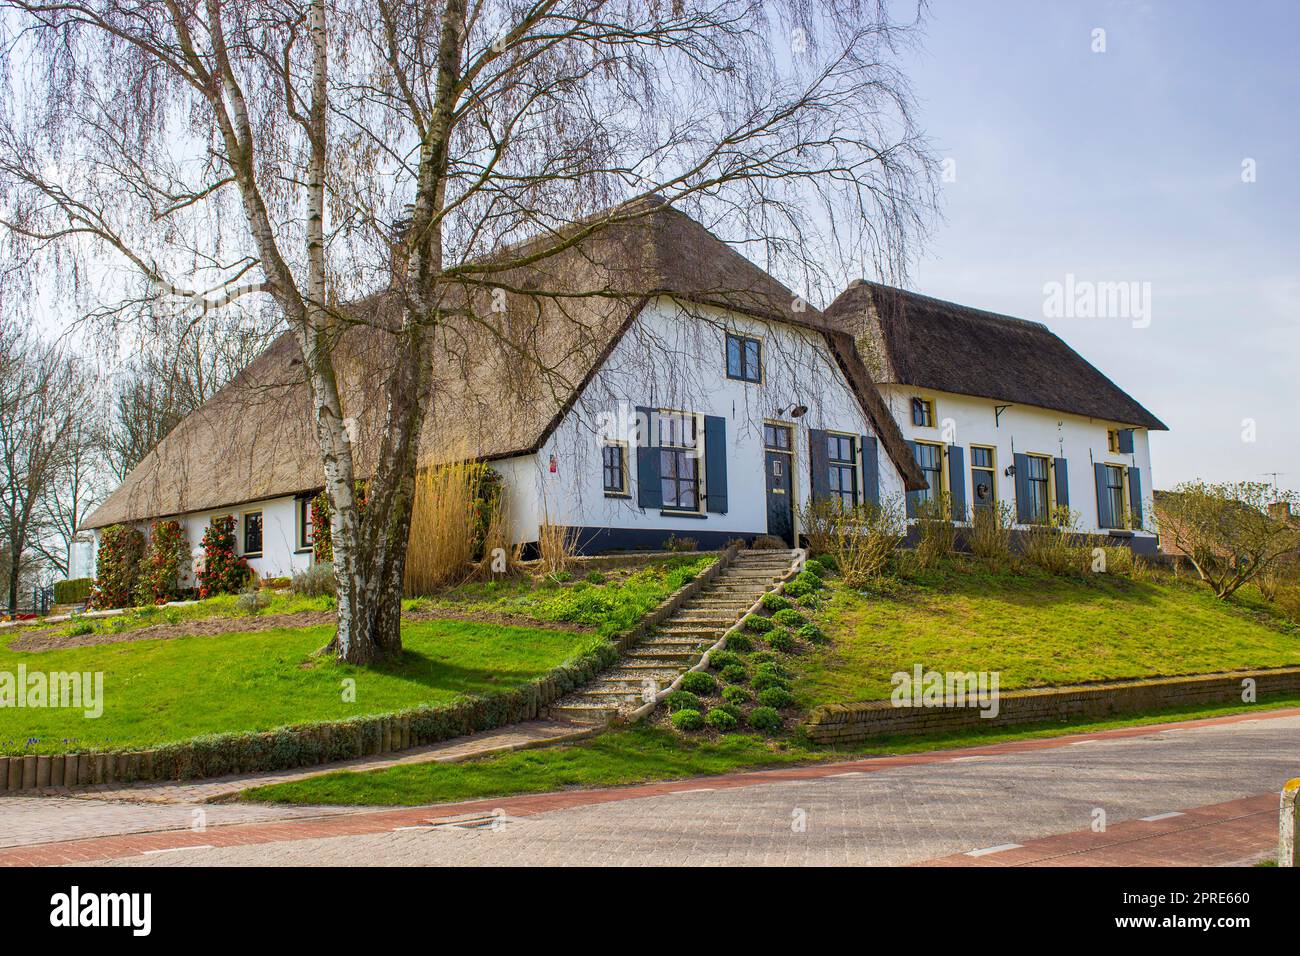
1126	165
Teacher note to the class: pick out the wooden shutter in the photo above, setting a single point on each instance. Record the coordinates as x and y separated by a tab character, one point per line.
1126	441
1024	514
819	464
715	464
1062	477
870	470
649	491
1135	496
1105	519
957	482
913	497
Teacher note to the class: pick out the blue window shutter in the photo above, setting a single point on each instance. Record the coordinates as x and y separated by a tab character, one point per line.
1126	441
1104	517
819	463
1023	512
957	481
913	497
715	464
870	470
1062	483
1135	496
649	492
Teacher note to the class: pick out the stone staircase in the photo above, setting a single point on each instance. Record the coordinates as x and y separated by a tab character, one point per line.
679	642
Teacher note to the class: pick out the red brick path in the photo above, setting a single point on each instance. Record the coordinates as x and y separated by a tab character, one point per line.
1230	832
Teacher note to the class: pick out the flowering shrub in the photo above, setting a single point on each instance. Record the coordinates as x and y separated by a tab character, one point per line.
160	576
224	572
322	510
117	566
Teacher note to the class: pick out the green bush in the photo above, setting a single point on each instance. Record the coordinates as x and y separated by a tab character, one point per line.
763	657
828	562
594	577
736	695
720	660
730	708
80	627
773	668
720	720
789	618
814	567
812	634
777	697
783	641
688	720
166	553
73	590
774	602
118	566
698	682
765	719
759	625
762	682
797	589
740	643
681	700
734	674
807	578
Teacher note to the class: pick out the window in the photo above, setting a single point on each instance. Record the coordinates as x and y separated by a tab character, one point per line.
614	468
923	412
252	534
304	524
1112	440
744	358
844	468
679	463
1037	478
776	437
1115	495
983	475
930	458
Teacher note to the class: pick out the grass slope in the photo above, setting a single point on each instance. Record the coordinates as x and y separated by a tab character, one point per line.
160	691
1036	631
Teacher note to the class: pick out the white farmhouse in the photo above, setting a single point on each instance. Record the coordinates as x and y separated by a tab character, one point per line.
649	382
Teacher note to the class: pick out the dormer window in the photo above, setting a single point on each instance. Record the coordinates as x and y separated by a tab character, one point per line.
923	412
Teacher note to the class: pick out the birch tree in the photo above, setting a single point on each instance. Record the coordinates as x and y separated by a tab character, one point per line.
231	149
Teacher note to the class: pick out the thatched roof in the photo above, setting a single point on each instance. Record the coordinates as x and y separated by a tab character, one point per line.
912	339
500	387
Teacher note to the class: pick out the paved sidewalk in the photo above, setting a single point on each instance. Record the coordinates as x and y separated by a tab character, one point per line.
877	811
532	733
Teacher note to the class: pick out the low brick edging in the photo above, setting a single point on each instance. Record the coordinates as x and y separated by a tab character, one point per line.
313	744
854	723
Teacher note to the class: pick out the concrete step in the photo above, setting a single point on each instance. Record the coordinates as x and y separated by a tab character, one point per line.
588	714
636	678
687	629
613	694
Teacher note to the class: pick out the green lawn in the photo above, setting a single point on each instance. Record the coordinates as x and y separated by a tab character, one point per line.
161	691
1036	631
644	753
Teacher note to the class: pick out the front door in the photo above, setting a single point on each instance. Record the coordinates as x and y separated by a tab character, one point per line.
778	455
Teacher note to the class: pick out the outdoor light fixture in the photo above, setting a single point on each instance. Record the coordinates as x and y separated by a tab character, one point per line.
795	411
1011	470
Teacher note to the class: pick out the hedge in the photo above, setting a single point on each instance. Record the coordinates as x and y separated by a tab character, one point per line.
73	590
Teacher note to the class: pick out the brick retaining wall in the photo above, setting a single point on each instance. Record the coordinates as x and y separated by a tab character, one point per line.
852	723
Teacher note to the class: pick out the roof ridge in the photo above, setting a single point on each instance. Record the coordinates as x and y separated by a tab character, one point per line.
947	303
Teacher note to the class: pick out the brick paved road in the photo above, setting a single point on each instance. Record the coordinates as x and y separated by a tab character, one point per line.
898	815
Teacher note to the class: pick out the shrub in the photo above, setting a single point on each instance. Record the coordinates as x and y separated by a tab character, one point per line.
937	533
719	660
858	542
773	667
688	720
740	643
698	682
681	700
814	567
164	558
774	602
789	618
782	641
735	695
674	543
594	577
734	674
767	542
812	634
797	589
810	580
759	625
765	719
223	571
316	581
990	534
776	697
721	720
80	627
252	602
73	590
118	566
1053	545
763	657
762	682
730	708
